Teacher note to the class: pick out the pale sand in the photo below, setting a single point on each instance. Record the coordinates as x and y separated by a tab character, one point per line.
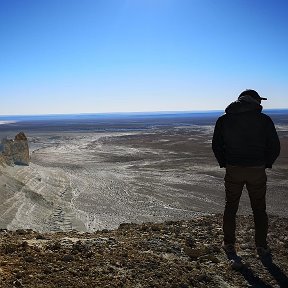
92	181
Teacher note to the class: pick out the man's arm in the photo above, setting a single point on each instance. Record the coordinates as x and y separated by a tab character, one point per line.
272	144
218	144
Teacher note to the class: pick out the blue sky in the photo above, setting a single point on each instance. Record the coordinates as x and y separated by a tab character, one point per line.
90	56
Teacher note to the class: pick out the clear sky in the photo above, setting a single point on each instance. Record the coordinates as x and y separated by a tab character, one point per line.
90	56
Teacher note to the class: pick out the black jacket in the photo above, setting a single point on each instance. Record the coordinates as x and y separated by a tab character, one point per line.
245	137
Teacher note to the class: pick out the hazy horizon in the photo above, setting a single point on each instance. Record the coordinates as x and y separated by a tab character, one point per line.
132	113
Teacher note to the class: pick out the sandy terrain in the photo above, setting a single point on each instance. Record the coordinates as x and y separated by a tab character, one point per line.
92	181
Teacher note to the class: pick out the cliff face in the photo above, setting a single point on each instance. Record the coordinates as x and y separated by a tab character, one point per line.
2	160
16	152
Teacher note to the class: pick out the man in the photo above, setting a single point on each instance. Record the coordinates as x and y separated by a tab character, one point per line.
245	142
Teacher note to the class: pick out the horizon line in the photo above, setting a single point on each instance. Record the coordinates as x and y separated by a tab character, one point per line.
131	112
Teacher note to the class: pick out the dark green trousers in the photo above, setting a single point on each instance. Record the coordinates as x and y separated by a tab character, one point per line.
255	180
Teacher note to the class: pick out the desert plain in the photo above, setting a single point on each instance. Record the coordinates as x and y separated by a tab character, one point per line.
88	179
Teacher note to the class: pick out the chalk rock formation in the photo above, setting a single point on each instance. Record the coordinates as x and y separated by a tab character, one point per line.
16	152
20	136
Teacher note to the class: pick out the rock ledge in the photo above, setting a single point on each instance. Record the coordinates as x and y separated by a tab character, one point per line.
178	254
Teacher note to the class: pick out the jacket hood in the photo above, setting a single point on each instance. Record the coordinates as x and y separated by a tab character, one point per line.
243	104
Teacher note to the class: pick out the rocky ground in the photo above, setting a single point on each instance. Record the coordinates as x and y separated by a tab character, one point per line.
170	254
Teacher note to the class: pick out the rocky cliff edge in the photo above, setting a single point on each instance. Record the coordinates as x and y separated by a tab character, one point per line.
179	254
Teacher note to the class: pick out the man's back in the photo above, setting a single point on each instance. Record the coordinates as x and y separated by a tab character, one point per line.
244	136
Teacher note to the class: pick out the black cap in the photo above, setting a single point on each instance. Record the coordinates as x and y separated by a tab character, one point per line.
253	94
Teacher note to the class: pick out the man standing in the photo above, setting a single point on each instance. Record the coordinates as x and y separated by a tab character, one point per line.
245	142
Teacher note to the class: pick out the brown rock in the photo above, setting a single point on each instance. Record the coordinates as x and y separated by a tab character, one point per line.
18	283
68	258
29	259
195	253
